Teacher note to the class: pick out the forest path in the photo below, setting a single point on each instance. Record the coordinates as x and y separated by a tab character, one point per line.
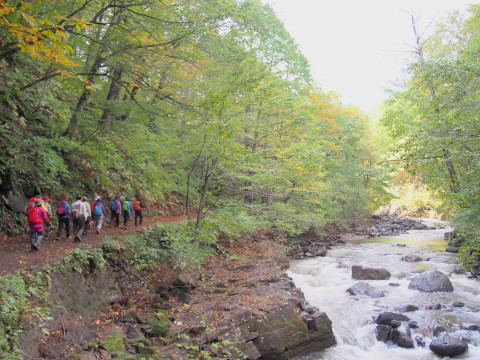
15	251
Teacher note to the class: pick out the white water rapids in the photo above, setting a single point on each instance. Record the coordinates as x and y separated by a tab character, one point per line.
324	281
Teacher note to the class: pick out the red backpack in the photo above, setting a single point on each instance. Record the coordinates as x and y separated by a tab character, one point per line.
136	206
34	215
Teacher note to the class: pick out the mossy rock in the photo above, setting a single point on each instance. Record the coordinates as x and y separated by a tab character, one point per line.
114	341
159	327
142	349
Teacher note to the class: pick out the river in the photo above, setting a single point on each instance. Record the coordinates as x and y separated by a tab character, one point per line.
324	281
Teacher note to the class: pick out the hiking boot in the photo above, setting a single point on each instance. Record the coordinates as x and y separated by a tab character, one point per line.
97	231
77	239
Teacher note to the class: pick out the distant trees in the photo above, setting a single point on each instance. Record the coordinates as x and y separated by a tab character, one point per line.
435	117
209	100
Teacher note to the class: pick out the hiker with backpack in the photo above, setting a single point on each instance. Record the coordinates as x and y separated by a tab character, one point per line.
37	217
63	214
98	213
115	209
127	209
48	206
79	213
88	215
138	207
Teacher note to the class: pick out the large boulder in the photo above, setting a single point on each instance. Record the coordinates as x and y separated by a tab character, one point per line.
363	288
280	331
360	273
431	281
386	318
448	346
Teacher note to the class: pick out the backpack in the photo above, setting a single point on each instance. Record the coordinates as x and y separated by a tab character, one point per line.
115	207
97	209
34	216
126	205
136	206
75	212
60	208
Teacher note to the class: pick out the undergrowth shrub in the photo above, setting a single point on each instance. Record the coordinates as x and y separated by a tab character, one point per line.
21	299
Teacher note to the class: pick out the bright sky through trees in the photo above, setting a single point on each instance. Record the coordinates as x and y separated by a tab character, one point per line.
357	48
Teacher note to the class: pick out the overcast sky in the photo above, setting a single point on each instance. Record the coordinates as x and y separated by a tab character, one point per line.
357	47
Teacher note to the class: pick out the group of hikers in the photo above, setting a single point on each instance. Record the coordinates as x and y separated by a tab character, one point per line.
82	215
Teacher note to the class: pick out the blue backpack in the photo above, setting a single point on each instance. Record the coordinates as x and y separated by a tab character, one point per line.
97	209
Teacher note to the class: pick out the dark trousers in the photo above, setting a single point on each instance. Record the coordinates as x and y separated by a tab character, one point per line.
126	217
115	219
87	226
79	226
63	221
138	217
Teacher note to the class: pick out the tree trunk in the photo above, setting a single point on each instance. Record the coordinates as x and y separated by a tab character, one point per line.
209	165
82	101
113	94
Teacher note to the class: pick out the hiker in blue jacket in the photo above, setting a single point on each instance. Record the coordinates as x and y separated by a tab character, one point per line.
98	213
115	210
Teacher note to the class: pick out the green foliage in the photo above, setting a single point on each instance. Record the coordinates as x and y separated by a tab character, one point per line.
233	221
18	307
433	116
86	260
210	101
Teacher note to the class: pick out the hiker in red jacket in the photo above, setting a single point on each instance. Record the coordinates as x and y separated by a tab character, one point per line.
37	217
138	207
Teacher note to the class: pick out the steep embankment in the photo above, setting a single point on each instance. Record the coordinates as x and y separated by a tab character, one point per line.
240	303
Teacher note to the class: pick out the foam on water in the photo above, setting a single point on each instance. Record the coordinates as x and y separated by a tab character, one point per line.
325	280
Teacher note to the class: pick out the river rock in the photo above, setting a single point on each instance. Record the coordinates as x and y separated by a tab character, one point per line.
402	337
412	324
431	281
448	346
420	340
470	327
363	288
411	258
387	317
408	308
438	330
382	333
360	273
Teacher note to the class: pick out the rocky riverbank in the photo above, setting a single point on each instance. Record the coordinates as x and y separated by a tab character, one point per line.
240	305
314	243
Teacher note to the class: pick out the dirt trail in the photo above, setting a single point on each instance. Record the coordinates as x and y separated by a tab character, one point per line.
15	251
